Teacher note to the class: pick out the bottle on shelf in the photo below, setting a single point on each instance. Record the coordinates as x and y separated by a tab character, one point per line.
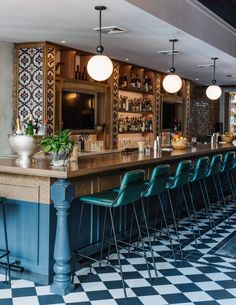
133	81
18	127
138	82
44	127
36	127
145	84
134	124
138	105
125	81
77	73
30	129
150	87
121	80
84	74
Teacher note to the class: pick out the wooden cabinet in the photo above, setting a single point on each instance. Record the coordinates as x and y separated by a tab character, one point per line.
43	70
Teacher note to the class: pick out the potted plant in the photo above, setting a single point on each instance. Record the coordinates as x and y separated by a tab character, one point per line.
59	146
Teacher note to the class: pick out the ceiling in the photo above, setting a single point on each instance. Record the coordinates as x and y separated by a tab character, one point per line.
148	32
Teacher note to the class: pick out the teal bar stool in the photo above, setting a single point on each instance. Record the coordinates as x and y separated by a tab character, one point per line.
213	174
178	182
130	191
226	171
154	189
196	178
5	252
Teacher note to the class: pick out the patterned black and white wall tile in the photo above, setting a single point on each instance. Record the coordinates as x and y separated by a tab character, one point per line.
30	83
50	88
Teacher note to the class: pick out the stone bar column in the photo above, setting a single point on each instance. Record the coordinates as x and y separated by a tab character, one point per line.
62	193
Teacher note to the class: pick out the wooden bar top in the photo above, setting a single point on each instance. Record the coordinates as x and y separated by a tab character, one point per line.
90	165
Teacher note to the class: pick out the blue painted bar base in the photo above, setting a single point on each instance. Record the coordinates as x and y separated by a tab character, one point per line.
62	193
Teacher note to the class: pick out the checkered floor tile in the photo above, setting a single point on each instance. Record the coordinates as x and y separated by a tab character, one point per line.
203	278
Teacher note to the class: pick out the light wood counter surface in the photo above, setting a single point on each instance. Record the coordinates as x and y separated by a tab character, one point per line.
89	165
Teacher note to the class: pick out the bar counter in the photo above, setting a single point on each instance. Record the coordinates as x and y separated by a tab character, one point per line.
43	205
105	162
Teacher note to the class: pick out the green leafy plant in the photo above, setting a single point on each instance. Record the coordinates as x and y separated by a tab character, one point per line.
59	143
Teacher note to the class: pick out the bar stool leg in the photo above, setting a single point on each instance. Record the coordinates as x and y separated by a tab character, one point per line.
167	227
109	243
194	212
131	231
77	243
175	224
189	215
223	198
231	183
219	199
8	271
117	250
148	236
142	243
103	235
208	209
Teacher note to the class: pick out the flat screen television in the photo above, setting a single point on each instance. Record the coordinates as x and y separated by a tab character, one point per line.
169	113
78	110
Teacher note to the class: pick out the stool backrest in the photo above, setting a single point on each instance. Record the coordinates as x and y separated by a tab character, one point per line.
158	181
182	174
200	169
228	162
215	165
131	188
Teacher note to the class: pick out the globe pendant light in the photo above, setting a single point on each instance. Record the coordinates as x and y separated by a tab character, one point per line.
100	66
213	92
172	82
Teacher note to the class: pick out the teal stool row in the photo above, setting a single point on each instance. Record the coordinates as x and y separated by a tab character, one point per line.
133	189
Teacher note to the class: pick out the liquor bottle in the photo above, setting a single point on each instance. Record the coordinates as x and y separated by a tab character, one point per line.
36	127
18	127
77	73
150	87
43	129
138	82
84	74
30	129
127	104
121	80
125	82
146	88
132	82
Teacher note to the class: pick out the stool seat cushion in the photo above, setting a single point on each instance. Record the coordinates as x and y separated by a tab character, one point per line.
105	198
3	199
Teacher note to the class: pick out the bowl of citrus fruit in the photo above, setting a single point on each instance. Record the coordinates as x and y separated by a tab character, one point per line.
227	137
179	142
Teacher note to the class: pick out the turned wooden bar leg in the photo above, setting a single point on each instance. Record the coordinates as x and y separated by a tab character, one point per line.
62	193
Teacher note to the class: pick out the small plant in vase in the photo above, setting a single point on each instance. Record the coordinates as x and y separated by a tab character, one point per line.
59	146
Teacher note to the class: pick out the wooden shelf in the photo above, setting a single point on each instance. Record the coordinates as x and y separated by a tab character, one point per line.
127	132
129	89
136	112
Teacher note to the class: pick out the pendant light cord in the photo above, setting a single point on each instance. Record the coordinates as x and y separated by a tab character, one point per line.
172	69
214	71
100	48
100	27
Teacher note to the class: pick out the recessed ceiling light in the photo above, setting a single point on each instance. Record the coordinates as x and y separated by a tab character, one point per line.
126	59
196	78
169	52
63	41
203	66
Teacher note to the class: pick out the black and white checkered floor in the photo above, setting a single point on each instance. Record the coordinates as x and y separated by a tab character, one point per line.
207	276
